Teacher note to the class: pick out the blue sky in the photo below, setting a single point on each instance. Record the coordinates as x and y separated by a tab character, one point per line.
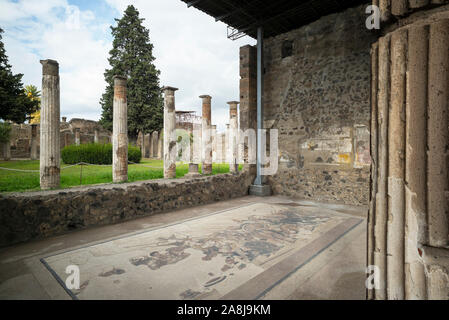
191	50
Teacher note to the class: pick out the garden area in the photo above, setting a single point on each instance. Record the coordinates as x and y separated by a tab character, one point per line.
76	175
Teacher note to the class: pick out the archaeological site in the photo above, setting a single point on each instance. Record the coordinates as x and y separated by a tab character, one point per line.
326	176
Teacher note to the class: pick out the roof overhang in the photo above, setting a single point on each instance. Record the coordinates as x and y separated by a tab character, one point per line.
243	17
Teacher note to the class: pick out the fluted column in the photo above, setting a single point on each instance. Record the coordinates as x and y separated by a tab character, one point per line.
49	126
233	136
120	132
169	133
206	135
408	235
33	153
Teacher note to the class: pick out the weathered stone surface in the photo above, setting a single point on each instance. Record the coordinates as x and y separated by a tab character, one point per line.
319	100
409	212
32	215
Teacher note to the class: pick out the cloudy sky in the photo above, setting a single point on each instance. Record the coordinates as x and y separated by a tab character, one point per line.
191	50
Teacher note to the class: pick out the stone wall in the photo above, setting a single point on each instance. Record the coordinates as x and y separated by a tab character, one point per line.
317	94
33	215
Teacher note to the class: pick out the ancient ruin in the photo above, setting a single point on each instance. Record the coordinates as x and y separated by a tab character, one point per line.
356	95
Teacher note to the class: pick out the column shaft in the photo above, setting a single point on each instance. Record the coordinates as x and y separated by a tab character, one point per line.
33	153
410	72
170	148
77	136
120	132
233	136
50	151
96	136
206	135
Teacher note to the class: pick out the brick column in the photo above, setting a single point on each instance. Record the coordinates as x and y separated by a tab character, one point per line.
120	132
408	229
33	153
206	135
248	98
50	151
169	133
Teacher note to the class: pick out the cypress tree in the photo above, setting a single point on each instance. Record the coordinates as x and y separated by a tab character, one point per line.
132	56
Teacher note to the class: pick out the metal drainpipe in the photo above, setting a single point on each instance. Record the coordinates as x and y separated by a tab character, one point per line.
258	180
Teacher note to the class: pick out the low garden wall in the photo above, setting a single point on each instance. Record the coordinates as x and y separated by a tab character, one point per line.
34	215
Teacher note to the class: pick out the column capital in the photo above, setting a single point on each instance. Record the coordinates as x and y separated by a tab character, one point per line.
168	88
205	96
50	67
233	102
120	80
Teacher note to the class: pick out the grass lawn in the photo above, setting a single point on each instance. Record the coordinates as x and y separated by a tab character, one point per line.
70	177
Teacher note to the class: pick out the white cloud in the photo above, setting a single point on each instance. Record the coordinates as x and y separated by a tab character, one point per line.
191	51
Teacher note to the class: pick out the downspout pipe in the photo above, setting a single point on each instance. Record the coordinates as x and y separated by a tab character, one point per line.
259	181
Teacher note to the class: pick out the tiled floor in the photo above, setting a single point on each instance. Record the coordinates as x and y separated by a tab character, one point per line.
246	248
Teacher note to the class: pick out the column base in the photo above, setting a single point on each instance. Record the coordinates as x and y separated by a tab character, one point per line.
260	190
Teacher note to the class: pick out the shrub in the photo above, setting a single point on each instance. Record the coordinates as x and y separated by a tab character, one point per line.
5	132
95	153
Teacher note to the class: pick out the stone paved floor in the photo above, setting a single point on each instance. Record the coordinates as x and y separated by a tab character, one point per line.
246	248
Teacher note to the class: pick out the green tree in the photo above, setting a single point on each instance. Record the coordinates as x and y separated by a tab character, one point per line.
132	56
15	105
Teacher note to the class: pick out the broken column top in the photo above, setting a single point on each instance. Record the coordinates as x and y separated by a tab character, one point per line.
120	80
205	96
50	67
168	88
233	102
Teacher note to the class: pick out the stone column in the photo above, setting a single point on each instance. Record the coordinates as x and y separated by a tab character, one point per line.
206	135
214	142
150	145
195	151
77	136
7	150
160	146
408	235
233	136
227	156
154	142
50	151
170	148
33	153
96	136
120	131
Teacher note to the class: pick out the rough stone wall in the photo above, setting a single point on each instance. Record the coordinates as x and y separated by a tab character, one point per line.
32	215
317	94
21	136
